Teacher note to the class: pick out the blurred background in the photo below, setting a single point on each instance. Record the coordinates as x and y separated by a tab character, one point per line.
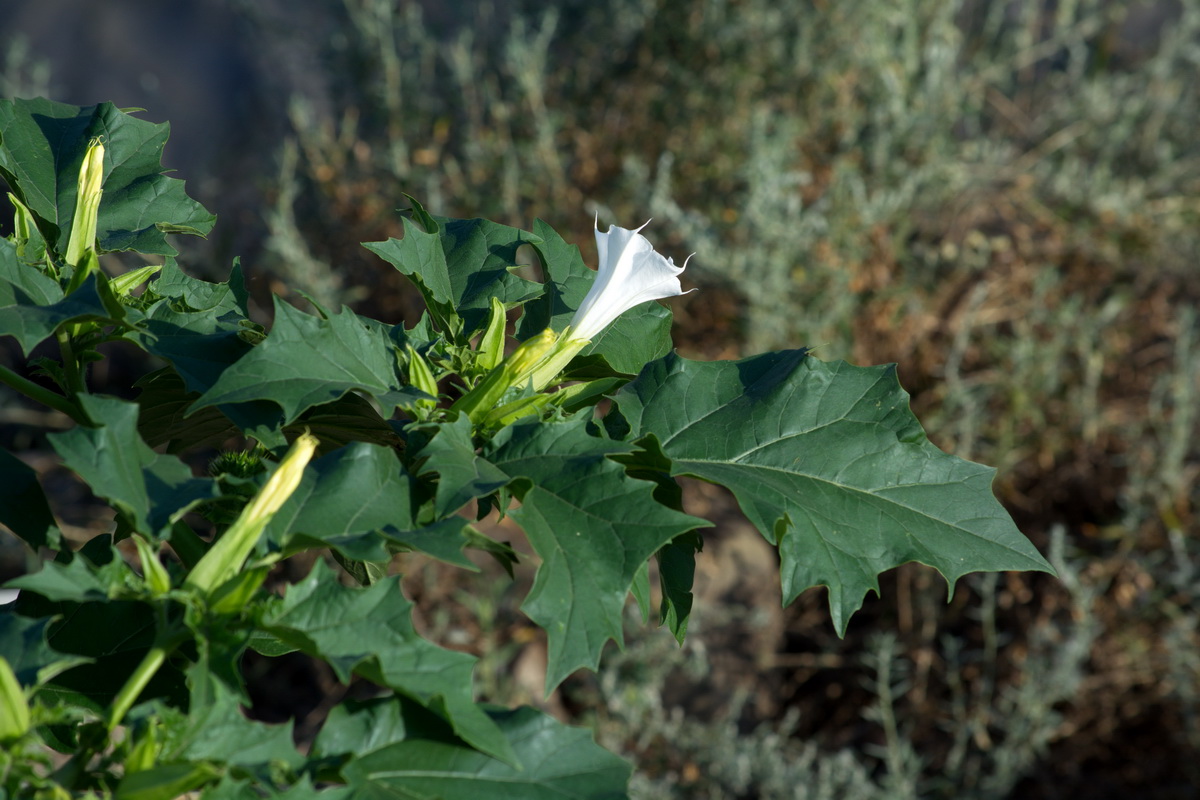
1002	197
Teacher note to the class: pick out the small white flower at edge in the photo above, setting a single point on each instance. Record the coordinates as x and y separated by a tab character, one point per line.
630	273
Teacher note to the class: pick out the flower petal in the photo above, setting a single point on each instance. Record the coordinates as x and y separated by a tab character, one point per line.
630	272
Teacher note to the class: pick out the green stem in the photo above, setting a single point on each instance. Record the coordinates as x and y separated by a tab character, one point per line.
70	365
42	395
136	683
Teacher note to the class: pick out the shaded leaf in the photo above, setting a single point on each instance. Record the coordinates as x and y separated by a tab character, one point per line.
31	324
152	489
368	631
23	645
217	730
24	509
558	763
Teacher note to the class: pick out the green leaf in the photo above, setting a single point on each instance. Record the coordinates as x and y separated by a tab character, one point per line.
640	335
358	501
358	727
23	645
152	489
165	782
24	509
369	631
42	145
22	284
473	267
419	255
307	361
830	464
462	475
558	763
232	789
593	527
74	581
676	573
194	294
32	324
217	730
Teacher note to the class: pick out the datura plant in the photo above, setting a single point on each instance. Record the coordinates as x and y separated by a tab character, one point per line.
558	402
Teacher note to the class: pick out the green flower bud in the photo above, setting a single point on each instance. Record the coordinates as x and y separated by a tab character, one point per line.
81	247
421	376
154	573
14	708
225	558
491	346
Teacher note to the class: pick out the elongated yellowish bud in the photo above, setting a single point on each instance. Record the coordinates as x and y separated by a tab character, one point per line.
81	247
421	376
514	371
491	345
225	558
14	708
153	572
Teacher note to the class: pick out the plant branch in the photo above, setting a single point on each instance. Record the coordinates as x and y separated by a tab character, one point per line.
70	364
42	395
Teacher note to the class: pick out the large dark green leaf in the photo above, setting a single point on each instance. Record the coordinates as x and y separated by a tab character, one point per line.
640	335
308	360
23	645
557	763
152	489
829	463
42	145
23	506
593	527
31	323
369	631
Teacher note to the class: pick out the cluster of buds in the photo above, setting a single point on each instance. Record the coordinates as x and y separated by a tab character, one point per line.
630	272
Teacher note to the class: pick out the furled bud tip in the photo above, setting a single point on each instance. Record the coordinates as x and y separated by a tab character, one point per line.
225	558
81	247
630	273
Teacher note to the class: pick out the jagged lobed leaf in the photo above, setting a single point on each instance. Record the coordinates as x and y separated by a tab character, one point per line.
307	361
42	145
460	265
830	464
593	527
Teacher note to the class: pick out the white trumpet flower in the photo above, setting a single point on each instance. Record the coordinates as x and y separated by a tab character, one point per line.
630	273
